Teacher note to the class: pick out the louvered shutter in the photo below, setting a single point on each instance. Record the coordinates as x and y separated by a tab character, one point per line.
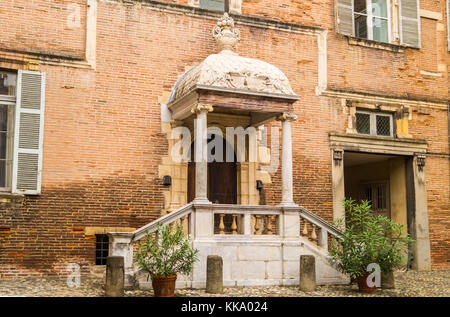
410	22
28	133
344	17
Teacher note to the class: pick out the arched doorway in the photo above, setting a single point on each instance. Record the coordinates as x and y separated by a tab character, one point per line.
222	176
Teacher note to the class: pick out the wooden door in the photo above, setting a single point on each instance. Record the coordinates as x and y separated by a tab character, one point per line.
222	180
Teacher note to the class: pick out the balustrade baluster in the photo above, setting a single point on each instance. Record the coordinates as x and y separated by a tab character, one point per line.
313	232
305	228
234	225
269	225
257	226
221	225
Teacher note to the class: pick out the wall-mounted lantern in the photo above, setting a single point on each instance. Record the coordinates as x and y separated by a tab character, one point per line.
259	185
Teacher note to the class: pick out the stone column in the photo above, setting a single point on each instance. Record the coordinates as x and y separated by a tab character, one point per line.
422	256
338	185
121	244
286	160
201	157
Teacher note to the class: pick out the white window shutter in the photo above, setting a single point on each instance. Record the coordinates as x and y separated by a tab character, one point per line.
410	22
344	17
28	133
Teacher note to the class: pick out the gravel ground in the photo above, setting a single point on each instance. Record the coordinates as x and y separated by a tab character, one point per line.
435	283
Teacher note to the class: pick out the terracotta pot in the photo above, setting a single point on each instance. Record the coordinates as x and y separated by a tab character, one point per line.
164	286
362	284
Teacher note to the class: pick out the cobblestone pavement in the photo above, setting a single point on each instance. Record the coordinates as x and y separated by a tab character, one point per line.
435	283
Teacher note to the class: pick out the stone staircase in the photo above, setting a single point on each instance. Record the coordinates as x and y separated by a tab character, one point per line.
260	245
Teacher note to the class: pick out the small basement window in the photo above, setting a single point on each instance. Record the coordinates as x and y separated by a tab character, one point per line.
101	248
372	123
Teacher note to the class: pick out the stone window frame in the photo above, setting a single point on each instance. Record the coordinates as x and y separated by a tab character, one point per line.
398	112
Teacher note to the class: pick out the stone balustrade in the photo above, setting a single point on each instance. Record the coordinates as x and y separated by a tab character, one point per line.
248	220
233	223
316	230
250	230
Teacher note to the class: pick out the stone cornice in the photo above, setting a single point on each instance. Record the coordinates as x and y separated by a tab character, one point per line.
215	15
381	145
385	99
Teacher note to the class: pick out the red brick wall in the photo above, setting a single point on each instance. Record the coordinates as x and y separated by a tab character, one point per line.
103	140
41	26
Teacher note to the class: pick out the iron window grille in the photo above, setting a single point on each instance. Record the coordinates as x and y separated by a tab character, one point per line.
101	249
372	123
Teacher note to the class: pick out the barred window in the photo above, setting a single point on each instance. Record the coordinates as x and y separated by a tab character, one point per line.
101	248
373	123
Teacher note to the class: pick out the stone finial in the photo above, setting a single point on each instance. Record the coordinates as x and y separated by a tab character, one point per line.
225	34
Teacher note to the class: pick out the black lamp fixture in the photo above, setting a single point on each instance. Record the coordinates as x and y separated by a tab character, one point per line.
259	185
167	180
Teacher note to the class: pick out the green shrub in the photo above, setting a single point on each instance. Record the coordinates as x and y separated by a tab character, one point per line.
166	252
367	238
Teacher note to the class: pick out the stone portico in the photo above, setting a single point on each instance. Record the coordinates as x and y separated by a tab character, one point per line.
218	202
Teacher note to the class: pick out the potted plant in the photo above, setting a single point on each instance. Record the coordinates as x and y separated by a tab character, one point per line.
393	250
367	239
163	255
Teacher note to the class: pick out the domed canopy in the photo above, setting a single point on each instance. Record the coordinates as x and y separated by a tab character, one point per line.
229	71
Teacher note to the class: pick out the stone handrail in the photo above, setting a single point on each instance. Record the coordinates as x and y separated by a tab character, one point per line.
165	220
315	222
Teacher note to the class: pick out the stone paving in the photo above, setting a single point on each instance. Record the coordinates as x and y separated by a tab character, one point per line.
435	283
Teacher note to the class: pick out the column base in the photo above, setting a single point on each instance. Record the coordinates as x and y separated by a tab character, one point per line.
288	204
201	201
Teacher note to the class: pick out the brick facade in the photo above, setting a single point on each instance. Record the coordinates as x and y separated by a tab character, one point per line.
103	140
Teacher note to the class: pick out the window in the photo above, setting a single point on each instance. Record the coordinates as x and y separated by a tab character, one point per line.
371	20
217	5
101	248
22	96
378	195
8	83
372	123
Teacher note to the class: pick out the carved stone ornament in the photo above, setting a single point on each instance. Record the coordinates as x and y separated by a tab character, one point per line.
338	155
225	34
202	108
228	70
287	116
420	162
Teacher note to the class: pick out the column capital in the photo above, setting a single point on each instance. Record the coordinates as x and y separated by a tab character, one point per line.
176	123
199	108
287	116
